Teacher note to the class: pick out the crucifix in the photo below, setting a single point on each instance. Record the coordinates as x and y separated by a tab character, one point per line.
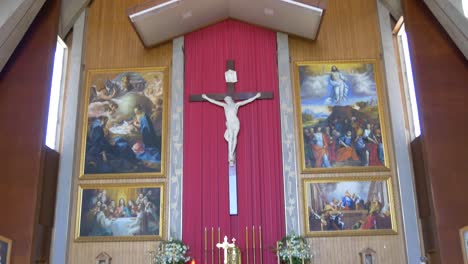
232	122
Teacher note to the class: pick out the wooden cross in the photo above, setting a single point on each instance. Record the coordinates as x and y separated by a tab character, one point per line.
230	91
230	80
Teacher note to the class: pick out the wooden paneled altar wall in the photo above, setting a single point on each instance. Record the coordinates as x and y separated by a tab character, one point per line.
111	42
349	31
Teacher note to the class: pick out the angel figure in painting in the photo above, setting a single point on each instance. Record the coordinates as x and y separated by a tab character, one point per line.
232	122
102	94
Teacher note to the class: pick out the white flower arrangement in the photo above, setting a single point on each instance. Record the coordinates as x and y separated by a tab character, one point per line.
172	251
293	249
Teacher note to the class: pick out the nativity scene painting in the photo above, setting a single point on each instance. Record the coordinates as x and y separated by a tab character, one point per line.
357	206
5	250
124	123
339	117
116	213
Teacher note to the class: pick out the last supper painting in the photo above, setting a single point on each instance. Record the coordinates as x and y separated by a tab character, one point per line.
120	212
349	206
124	123
340	117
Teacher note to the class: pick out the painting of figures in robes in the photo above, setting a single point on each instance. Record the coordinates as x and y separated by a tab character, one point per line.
5	250
124	126
340	117
120	212
349	206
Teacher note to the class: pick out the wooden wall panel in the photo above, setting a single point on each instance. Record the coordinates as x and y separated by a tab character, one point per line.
111	42
350	31
24	97
441	80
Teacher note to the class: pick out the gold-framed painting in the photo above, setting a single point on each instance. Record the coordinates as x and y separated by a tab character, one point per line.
124	125
5	250
464	242
349	206
120	212
340	116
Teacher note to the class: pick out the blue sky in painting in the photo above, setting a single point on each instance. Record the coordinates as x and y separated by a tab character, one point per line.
316	90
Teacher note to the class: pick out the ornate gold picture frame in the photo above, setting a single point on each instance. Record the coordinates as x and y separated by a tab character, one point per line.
340	116
120	212
349	206
124	124
464	242
5	250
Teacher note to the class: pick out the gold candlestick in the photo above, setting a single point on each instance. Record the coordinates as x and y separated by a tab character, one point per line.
302	248
219	241
212	245
253	243
173	255
206	244
289	252
261	242
278	251
247	244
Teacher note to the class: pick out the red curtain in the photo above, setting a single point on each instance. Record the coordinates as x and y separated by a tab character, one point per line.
259	161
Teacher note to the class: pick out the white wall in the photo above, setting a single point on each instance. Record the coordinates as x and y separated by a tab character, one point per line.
69	13
7	7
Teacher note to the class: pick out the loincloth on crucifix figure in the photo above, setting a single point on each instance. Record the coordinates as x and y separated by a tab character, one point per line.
232	122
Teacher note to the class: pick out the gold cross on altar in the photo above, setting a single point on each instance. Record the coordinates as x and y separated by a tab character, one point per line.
225	246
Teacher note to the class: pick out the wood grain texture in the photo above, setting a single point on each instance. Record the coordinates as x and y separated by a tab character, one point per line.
24	98
111	42
441	75
350	31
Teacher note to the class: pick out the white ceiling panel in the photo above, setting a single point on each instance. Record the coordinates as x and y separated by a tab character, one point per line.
178	18
296	19
160	20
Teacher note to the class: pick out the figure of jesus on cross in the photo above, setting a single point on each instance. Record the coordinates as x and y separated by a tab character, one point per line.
232	122
231	107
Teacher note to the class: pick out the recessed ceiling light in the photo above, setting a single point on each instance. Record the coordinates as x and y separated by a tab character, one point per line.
299	4
187	15
268	11
155	8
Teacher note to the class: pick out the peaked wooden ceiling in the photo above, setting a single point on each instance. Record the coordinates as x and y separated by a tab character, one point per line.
156	21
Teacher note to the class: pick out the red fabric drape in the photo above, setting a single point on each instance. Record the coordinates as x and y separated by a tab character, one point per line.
259	162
